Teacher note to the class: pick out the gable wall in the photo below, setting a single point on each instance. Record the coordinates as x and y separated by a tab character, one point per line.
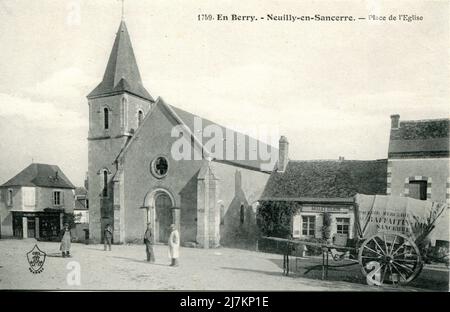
153	140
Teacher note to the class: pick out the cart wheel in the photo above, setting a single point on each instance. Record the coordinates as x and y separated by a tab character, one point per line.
398	258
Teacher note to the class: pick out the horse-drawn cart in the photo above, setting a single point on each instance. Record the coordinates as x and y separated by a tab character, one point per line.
392	235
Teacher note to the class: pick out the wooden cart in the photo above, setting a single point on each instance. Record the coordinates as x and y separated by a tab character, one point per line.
390	232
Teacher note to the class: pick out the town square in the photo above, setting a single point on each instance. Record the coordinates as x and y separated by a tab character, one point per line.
144	155
125	268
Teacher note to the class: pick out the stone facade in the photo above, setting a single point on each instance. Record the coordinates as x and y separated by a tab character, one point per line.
23	205
134	178
104	146
419	154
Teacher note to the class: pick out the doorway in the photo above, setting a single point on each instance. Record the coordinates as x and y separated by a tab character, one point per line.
17	225
31	227
163	217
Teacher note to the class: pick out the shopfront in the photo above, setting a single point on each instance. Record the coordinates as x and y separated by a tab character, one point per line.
44	225
309	220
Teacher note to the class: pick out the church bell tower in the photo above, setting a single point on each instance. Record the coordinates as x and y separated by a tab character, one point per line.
117	106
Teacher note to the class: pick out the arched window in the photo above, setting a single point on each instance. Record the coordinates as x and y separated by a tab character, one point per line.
10	197
222	214
105	183
242	214
140	117
106	117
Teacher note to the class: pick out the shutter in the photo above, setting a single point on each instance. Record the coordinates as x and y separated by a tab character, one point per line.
296	226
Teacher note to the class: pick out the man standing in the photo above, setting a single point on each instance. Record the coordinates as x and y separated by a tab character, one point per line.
174	245
148	241
108	234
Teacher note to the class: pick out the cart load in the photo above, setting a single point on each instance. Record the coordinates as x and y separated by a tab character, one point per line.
395	232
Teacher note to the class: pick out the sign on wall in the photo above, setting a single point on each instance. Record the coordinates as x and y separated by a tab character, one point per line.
335	209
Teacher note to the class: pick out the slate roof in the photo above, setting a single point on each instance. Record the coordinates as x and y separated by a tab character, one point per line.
42	175
420	138
322	180
122	73
187	119
248	161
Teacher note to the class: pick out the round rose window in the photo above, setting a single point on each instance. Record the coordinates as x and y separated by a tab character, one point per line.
159	167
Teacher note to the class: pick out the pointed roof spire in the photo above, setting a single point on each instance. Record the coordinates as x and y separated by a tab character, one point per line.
122	73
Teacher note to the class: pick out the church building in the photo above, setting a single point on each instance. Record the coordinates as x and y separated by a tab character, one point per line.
136	175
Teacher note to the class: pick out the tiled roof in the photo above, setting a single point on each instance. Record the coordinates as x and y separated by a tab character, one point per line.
122	73
187	119
420	138
327	179
42	175
248	161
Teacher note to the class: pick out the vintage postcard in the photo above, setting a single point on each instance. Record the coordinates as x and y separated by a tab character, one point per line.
224	146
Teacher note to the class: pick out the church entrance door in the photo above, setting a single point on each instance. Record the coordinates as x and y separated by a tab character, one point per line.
163	218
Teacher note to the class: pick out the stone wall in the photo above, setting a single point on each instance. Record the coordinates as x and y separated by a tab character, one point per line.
140	185
238	187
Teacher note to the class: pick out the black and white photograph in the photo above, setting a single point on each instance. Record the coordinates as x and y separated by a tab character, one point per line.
251	146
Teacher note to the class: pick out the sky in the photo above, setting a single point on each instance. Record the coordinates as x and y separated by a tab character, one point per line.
328	87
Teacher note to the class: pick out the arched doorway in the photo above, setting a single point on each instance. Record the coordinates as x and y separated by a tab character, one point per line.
163	216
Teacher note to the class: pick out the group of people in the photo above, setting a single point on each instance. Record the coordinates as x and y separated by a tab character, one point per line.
173	242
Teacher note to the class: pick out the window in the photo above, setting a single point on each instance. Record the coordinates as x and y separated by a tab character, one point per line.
343	225
56	198
140	117
159	167
308	225
418	189
222	214
10	197
242	214
105	183
29	196
106	117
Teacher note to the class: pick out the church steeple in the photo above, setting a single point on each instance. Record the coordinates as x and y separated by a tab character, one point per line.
122	73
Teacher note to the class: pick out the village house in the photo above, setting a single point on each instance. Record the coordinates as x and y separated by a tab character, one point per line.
305	192
418	163
81	215
33	203
81	209
135	179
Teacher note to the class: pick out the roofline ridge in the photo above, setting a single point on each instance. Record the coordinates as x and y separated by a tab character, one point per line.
337	160
425	120
160	101
225	127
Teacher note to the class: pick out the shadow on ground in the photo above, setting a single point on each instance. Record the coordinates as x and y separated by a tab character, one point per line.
428	280
254	271
140	261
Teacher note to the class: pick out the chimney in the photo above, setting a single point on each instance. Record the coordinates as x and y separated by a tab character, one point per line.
395	121
341	158
283	152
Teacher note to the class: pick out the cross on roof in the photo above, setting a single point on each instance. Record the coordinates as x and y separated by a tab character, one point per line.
123	9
